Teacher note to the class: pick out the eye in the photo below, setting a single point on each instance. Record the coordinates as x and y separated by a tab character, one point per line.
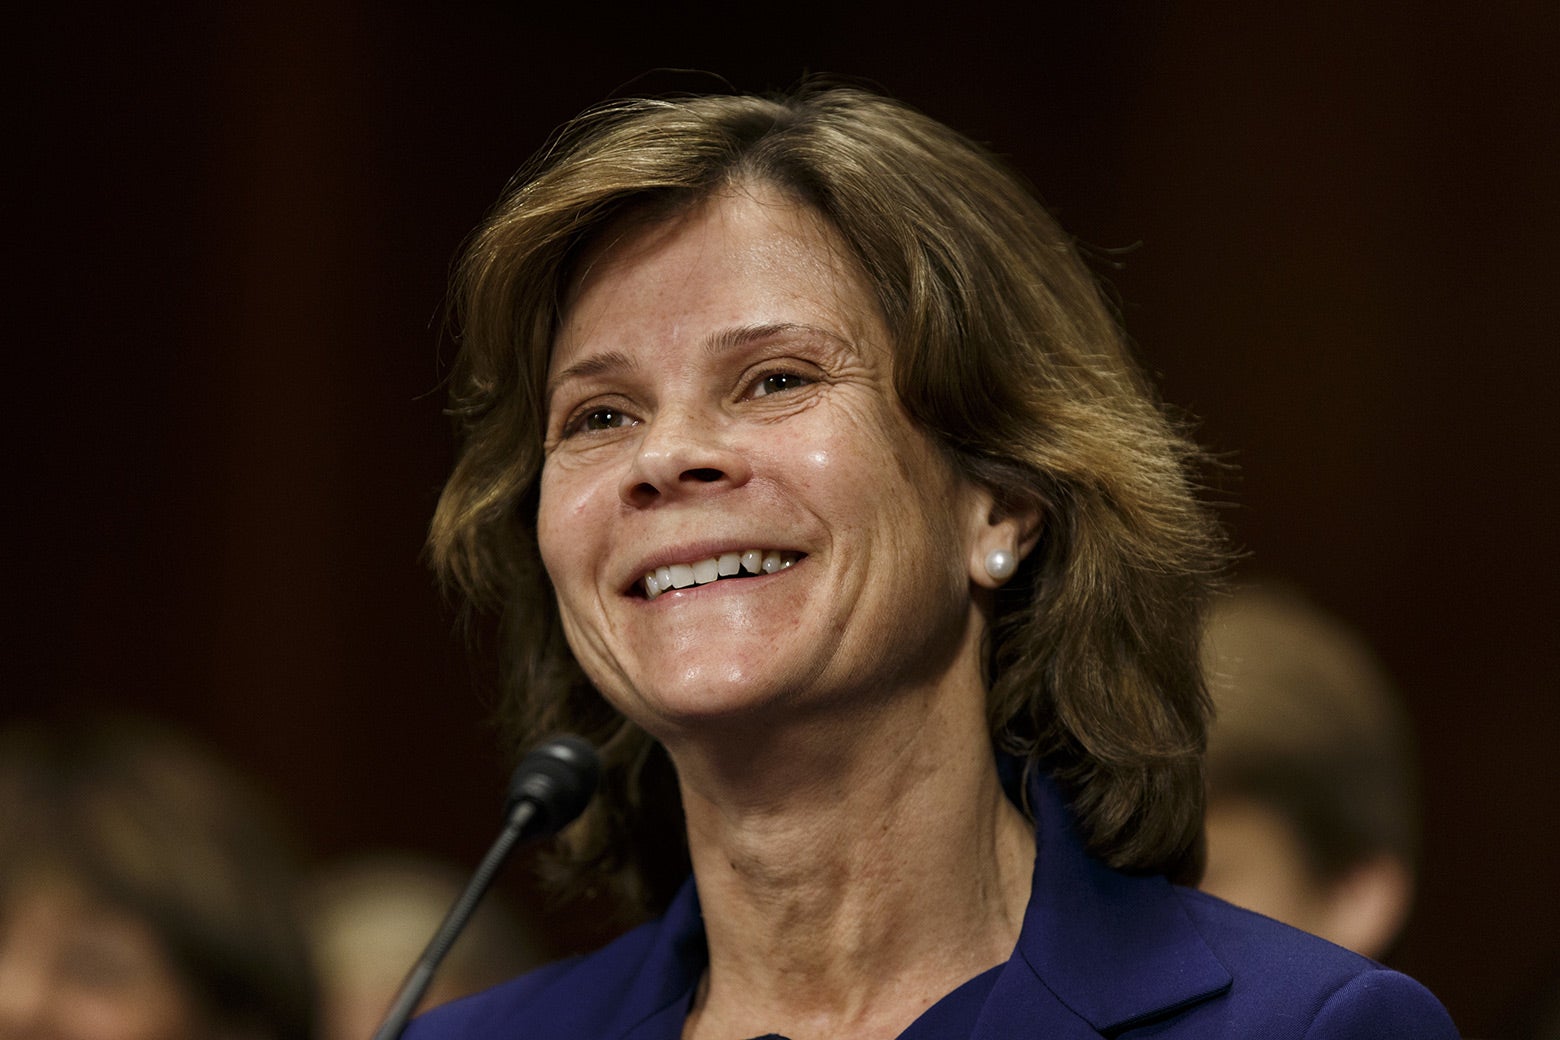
778	382
599	419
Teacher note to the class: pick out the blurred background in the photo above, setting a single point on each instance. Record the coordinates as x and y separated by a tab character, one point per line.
1331	229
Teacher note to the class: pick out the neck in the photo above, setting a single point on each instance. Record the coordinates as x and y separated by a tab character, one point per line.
848	884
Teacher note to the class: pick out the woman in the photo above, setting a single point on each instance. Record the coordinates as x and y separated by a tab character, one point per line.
809	474
144	893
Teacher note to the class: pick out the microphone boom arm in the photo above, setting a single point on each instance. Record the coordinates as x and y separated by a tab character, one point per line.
550	788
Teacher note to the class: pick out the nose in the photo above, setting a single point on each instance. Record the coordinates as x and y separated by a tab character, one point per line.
681	454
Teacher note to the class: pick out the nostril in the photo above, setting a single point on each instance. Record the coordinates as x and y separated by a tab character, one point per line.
703	475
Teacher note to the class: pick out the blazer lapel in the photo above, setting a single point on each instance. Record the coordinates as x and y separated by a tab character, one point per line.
1098	947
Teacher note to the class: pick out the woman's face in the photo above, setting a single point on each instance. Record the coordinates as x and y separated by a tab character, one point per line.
72	968
720	394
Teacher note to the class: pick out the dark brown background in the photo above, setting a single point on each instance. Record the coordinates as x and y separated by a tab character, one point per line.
232	225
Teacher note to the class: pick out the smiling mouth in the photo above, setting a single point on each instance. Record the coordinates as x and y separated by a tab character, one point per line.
726	566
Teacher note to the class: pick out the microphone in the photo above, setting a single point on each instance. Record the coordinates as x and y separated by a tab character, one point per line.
551	786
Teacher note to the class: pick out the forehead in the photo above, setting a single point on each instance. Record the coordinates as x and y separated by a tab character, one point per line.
752	254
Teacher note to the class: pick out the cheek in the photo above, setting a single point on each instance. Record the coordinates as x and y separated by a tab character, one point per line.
570	519
902	475
846	450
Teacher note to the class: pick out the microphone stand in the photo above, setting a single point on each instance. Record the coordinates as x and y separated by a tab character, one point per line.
421	975
549	789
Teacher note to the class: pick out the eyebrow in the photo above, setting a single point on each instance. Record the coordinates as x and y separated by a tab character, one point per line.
729	339
595	365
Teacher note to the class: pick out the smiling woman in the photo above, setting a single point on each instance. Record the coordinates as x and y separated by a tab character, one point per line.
753	376
933	748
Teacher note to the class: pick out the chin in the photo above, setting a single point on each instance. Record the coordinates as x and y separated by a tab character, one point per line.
701	702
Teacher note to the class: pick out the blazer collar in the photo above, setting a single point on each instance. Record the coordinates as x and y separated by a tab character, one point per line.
657	999
1116	949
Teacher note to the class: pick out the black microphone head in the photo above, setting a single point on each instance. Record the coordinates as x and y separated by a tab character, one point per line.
558	779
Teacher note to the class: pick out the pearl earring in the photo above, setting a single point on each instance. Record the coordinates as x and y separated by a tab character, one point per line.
1001	564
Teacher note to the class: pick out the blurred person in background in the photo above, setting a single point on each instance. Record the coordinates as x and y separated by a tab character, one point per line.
145	893
1313	808
369	919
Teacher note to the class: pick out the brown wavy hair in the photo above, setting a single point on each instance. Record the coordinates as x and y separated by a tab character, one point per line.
1006	353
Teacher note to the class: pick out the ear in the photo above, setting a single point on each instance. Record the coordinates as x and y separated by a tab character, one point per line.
1012	524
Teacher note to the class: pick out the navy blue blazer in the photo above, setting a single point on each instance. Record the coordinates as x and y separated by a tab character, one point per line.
1100	953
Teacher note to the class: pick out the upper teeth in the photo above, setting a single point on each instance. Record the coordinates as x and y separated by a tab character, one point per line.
726	565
